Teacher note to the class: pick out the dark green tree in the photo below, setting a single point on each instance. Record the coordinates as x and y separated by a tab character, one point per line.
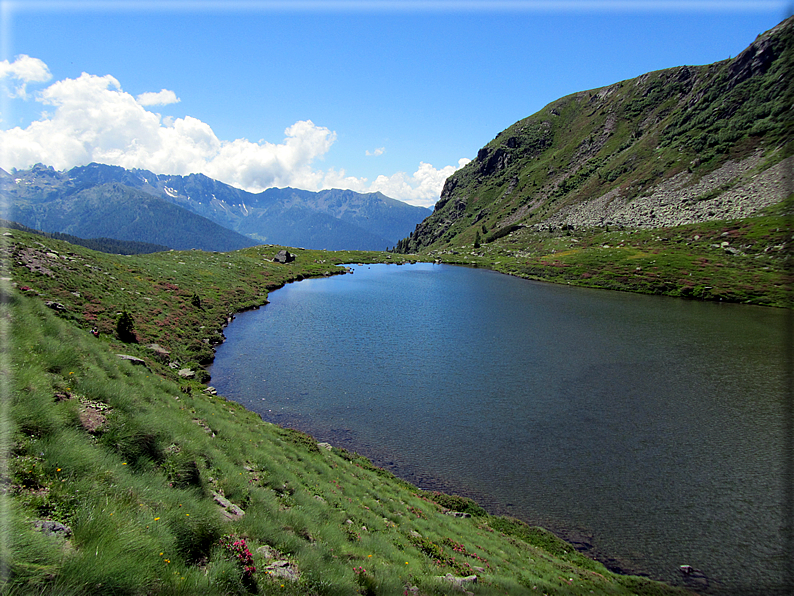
125	328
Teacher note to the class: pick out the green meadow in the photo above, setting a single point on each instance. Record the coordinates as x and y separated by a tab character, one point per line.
746	261
130	476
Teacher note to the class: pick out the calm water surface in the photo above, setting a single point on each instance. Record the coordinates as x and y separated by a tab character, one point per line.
648	430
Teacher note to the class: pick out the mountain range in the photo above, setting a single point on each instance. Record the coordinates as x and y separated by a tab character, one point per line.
195	211
672	147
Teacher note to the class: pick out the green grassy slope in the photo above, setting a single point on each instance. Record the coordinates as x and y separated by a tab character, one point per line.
748	260
687	151
133	459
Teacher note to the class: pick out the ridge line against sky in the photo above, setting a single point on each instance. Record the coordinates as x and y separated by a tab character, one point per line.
367	95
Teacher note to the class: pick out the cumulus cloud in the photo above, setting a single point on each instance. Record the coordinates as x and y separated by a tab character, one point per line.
421	188
161	98
94	120
378	151
24	70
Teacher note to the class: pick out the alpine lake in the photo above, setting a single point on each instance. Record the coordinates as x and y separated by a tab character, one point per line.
651	432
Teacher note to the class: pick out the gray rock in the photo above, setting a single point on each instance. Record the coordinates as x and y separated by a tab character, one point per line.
159	351
283	569
459	583
229	510
186	373
52	528
132	359
283	256
268	552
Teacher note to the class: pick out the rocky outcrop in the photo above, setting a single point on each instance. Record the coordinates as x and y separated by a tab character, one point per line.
160	352
52	528
229	510
284	256
134	360
460	583
283	570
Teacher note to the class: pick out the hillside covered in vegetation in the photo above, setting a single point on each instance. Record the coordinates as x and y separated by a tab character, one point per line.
124	473
656	184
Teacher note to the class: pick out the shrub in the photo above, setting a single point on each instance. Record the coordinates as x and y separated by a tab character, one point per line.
457	503
236	549
365	581
300	438
125	328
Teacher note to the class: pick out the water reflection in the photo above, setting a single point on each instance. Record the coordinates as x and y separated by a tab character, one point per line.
647	428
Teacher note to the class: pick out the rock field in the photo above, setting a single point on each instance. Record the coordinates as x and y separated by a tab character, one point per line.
683	199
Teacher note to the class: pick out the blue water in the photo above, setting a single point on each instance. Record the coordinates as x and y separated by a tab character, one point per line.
648	430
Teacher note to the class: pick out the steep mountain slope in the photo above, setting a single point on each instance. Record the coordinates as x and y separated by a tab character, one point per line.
672	147
329	219
113	210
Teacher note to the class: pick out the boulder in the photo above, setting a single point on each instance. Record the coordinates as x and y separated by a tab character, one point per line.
283	256
159	351
268	552
284	570
459	583
229	510
52	528
134	360
186	373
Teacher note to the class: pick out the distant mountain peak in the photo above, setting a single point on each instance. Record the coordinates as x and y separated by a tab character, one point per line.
332	219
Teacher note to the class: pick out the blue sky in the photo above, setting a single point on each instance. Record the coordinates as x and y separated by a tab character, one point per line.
369	95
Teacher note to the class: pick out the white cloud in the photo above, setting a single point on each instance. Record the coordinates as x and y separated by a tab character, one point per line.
24	70
378	151
93	119
161	98
421	188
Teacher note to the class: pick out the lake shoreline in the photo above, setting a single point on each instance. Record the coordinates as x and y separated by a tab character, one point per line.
581	540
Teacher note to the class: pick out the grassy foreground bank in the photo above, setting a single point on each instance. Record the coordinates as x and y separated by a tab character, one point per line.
129	476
